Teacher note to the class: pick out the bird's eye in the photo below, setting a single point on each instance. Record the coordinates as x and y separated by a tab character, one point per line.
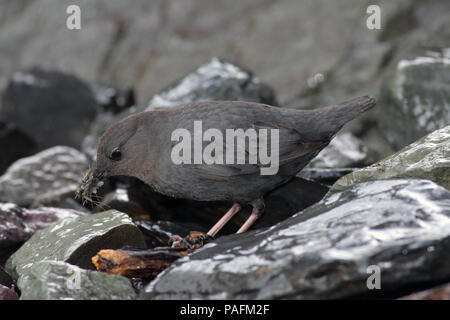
116	154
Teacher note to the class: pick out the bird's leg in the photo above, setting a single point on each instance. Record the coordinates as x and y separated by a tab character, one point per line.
258	209
223	221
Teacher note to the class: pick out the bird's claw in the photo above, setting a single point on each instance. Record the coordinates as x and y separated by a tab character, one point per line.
194	240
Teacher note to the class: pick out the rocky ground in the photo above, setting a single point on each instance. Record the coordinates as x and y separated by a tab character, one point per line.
377	198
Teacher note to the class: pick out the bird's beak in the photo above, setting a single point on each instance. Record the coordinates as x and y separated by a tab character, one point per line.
92	180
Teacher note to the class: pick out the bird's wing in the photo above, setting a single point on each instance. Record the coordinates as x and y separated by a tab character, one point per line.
291	146
291	143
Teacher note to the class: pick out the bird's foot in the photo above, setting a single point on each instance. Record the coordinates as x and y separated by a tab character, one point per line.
194	240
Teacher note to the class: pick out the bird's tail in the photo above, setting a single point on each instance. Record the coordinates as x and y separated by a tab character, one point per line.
356	106
333	118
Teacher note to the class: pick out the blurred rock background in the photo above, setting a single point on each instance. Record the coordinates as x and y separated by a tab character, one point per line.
60	90
150	43
311	52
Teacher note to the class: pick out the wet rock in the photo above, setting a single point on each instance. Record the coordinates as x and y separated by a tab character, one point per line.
112	99
158	233
7	293
323	252
56	280
18	224
14	144
324	175
45	178
5	279
214	80
51	107
344	151
76	241
415	100
378	144
436	293
427	158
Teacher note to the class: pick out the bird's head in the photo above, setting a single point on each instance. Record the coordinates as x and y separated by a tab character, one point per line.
116	156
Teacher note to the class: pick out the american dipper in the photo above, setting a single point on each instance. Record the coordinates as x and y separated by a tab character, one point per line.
143	146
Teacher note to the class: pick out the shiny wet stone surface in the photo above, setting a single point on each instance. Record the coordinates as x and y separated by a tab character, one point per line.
400	226
18	224
76	241
427	158
45	178
56	280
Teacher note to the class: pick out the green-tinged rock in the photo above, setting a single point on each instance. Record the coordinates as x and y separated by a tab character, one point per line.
56	280
76	241
415	100
427	158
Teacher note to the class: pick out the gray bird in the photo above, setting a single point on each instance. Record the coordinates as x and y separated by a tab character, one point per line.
142	145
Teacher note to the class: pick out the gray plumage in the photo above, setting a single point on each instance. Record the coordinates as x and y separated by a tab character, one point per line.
144	141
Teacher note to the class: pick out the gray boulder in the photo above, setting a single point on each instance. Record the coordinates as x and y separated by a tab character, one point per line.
45	178
427	158
18	224
214	80
51	107
14	144
399	227
5	279
415	100
56	280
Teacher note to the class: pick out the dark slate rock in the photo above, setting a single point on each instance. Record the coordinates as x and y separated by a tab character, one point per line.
427	158
215	80
45	178
5	279
51	107
14	144
118	199
415	100
324	175
288	199
401	226
56	280
114	100
7	293
437	293
18	224
76	241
